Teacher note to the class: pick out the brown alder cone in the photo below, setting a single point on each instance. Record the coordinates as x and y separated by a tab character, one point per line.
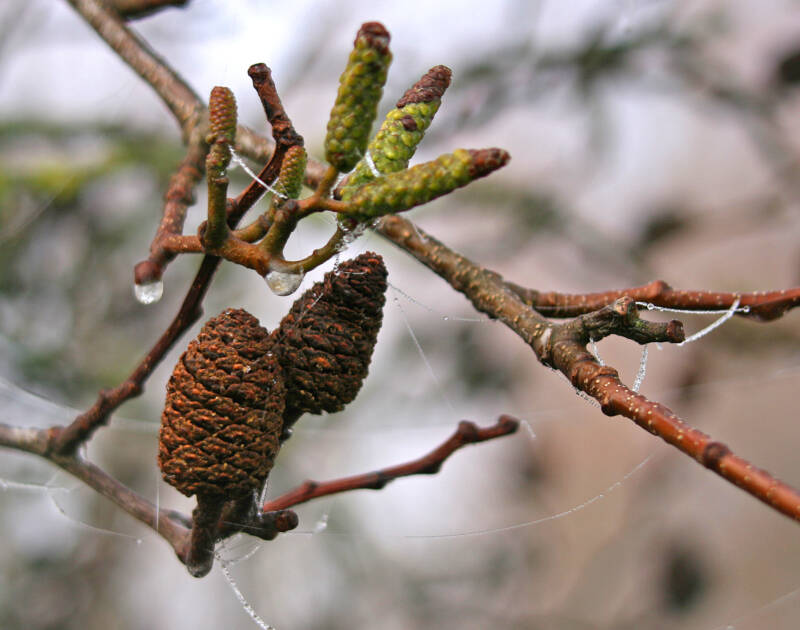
325	342
224	410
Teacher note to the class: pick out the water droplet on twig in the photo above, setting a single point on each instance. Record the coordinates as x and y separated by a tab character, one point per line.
149	292
281	283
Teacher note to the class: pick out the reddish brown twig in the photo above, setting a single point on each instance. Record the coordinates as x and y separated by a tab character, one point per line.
283	133
179	196
762	306
67	439
467	433
565	350
169	240
563	346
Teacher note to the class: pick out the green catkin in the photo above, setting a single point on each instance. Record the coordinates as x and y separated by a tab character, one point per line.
293	168
222	129
360	89
402	130
422	183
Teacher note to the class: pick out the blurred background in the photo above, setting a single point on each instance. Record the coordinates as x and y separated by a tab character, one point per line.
650	140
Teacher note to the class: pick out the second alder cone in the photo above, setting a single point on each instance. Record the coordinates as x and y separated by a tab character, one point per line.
325	342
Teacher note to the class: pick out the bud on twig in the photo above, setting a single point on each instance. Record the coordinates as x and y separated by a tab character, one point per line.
360	89
422	183
221	116
293	167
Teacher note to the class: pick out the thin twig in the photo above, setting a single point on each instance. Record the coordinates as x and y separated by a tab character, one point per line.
81	429
179	196
283	133
467	433
175	528
762	306
172	526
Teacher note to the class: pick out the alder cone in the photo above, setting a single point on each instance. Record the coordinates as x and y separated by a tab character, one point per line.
325	342
224	410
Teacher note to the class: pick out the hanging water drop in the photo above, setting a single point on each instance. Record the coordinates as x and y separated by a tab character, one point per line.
284	283
321	525
149	292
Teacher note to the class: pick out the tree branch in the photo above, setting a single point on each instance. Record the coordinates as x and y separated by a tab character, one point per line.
562	346
761	306
70	437
236	516
430	464
186	106
170	525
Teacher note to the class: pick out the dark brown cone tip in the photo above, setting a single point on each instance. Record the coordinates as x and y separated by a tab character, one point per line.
376	35
223	415
429	88
325	342
484	161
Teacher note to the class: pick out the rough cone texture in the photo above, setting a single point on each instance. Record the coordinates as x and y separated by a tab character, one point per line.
224	410
325	342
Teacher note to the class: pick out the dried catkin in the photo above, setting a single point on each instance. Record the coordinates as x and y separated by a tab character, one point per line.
325	342
223	416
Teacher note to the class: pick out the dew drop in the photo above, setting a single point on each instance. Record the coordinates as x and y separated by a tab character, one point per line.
284	283
149	292
321	525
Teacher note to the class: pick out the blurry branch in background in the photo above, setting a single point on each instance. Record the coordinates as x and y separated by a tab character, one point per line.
365	183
